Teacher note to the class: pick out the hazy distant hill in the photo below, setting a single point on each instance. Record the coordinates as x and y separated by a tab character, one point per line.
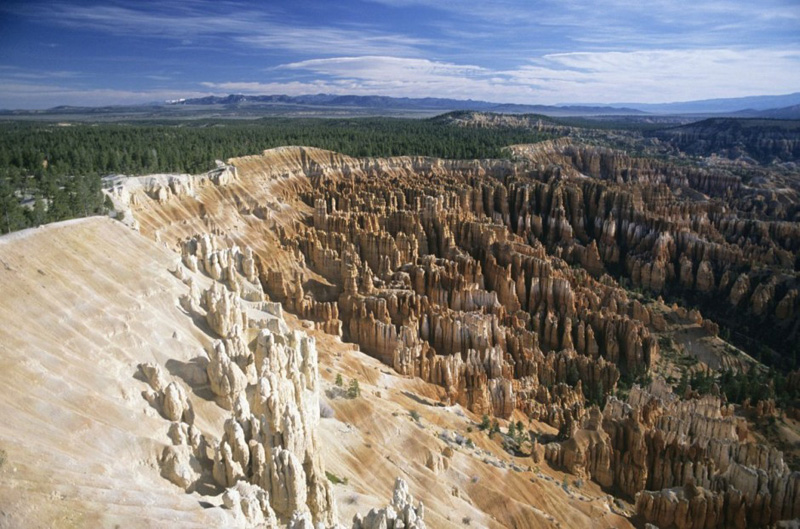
335	100
416	104
792	112
240	106
718	106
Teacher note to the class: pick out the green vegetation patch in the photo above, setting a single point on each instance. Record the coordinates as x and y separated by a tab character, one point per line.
51	172
336	480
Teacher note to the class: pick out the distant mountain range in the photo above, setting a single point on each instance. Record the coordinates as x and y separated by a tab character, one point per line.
404	103
776	107
790	112
328	105
729	106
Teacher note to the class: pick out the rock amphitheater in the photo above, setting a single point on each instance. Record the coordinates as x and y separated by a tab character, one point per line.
302	339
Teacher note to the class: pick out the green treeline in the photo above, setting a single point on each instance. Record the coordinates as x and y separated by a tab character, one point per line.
737	386
51	172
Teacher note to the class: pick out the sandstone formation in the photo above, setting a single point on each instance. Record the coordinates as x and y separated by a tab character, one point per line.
167	397
686	464
399	514
86	302
268	458
271	440
711	247
691	506
439	291
501	282
587	453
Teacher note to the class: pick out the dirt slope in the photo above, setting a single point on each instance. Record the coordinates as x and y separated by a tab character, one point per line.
83	303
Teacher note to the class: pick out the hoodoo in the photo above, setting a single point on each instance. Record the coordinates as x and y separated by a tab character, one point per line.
330	331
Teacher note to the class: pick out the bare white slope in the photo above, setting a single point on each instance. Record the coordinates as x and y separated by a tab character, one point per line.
81	304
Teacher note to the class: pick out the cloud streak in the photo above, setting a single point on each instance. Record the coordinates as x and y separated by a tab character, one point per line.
549	51
232	22
621	25
19	94
653	76
605	77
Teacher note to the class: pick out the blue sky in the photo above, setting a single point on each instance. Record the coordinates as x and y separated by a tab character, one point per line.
537	52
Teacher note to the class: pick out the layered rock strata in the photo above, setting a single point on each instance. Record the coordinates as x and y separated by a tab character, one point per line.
495	281
637	218
268	457
673	455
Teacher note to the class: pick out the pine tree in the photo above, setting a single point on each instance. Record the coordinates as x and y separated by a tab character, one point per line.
353	390
485	424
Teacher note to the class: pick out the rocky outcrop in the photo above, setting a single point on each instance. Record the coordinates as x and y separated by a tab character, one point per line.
690	506
180	466
441	292
225	377
223	313
686	464
169	398
223	260
291	293
399	514
437	462
588	451
270	439
655	224
268	457
502	282
250	505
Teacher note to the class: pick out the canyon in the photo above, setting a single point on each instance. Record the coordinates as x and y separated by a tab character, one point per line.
304	339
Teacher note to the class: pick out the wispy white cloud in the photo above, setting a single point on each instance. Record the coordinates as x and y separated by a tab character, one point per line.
16	72
287	87
663	75
560	11
394	76
408	77
378	67
40	95
190	24
623	25
603	77
590	77
333	41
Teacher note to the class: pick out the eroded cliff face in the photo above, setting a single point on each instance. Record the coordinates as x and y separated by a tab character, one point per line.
268	458
495	281
687	463
440	291
685	231
696	468
764	140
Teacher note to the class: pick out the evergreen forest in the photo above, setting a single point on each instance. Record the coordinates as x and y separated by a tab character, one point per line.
51	172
